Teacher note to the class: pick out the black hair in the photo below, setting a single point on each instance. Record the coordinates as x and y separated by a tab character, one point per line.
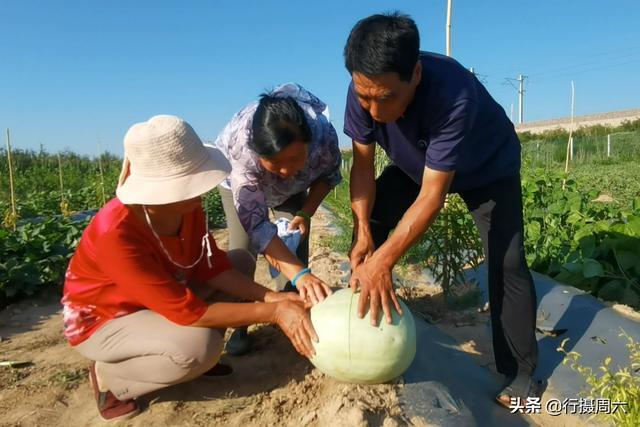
383	43
277	122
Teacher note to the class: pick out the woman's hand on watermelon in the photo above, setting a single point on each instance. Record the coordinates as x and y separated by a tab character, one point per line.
312	288
271	296
376	289
293	318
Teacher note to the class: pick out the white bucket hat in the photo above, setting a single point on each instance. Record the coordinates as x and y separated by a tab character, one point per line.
166	162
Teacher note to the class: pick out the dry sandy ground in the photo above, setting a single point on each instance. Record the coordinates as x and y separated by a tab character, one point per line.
271	386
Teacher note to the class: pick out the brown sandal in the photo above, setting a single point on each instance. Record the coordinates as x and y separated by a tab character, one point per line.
111	408
521	386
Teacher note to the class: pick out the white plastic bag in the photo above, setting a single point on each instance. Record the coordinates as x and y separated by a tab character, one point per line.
291	238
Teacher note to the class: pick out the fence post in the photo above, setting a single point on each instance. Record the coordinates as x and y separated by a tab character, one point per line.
608	145
65	208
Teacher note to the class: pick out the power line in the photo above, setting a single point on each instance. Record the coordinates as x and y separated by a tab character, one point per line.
593	58
481	77
585	70
561	72
583	64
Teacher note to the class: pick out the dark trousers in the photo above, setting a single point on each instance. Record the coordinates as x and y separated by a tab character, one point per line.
497	212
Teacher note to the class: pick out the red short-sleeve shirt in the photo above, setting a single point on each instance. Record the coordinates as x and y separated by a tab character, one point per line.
120	268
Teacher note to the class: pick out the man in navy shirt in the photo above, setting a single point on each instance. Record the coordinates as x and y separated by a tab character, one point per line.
444	133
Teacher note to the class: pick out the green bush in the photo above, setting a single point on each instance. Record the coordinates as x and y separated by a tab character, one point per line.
212	204
37	252
37	181
35	255
591	245
569	236
451	244
549	148
616	386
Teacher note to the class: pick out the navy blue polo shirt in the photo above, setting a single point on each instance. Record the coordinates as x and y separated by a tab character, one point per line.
452	124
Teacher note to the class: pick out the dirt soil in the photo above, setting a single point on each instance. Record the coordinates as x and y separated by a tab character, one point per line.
272	385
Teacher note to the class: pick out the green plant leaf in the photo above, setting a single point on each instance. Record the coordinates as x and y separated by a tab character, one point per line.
573	267
627	260
574	218
587	246
603	225
633	225
533	230
557	207
570	278
630	298
612	290
591	268
585	231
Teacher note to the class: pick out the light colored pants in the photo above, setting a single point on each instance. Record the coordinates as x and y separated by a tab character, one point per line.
238	238
143	351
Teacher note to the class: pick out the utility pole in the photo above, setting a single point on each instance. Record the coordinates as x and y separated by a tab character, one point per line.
521	98
448	27
520	89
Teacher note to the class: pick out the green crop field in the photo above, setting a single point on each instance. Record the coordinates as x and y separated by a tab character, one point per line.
582	228
50	190
586	234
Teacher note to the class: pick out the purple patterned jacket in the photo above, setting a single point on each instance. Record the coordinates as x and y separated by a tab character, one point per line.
254	188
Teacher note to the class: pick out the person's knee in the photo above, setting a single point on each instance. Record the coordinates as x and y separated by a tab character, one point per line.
200	354
243	261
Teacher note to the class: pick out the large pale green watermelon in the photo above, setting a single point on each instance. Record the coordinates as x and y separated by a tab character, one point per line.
351	350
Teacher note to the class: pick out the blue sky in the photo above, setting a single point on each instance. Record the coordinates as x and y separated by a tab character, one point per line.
75	74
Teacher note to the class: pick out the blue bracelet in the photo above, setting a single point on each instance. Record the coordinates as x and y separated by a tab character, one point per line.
300	274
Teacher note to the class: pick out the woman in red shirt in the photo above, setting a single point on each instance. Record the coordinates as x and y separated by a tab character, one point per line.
141	289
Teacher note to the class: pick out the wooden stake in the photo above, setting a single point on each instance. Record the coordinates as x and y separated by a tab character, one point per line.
14	213
64	204
104	198
60	175
570	141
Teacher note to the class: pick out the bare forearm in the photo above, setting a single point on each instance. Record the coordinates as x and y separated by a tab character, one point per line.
362	187
317	192
418	218
415	222
234	283
231	315
279	256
